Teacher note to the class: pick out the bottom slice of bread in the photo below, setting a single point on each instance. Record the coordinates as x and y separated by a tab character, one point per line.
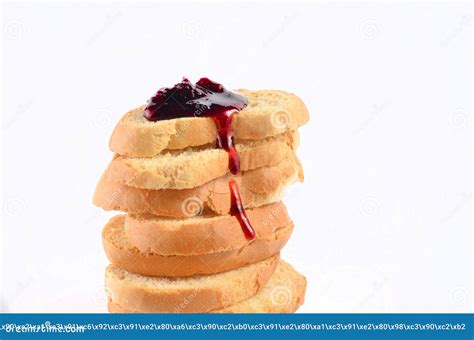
196	294
283	293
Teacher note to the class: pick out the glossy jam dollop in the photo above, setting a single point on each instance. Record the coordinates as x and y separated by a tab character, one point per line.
206	98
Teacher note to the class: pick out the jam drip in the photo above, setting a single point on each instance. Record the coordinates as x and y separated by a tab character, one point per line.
225	139
206	98
237	210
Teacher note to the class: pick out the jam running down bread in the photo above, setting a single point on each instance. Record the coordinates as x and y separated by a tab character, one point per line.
207	99
200	170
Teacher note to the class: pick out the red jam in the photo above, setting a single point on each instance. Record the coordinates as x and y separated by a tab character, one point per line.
206	98
237	210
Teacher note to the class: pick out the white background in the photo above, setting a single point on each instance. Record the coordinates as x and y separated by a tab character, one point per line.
383	220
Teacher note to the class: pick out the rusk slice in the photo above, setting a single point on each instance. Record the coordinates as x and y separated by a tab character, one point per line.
257	187
283	293
203	234
267	114
198	294
124	255
184	169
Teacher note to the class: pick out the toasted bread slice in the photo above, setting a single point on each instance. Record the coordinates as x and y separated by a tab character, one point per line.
203	234
184	169
257	187
195	294
283	293
124	255
267	114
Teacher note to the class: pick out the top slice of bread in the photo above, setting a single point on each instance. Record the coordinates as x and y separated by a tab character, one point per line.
268	113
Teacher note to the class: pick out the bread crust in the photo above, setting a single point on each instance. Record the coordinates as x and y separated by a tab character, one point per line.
257	187
268	113
218	291
202	235
196	167
124	255
283	293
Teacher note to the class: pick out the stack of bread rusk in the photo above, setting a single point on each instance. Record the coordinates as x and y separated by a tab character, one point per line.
180	248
